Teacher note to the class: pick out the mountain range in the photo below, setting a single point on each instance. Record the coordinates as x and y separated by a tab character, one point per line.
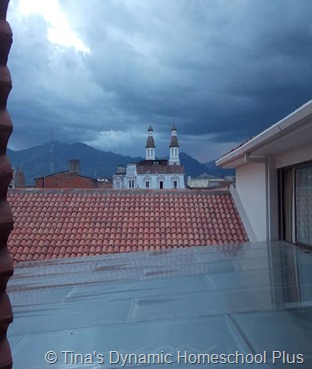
37	161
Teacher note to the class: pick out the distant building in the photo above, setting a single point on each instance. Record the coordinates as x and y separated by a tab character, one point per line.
152	173
71	179
18	178
104	183
211	182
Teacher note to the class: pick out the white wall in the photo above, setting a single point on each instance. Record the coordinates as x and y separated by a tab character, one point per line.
295	156
122	181
251	188
155	178
197	182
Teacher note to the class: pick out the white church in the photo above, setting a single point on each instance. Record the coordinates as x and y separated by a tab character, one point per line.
151	173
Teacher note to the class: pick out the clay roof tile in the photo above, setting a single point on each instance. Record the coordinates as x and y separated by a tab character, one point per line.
122	221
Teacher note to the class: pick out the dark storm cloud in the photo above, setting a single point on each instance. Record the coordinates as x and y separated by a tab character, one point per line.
222	71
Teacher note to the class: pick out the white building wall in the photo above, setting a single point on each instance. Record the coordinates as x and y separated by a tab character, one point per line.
298	155
122	181
251	188
131	175
198	182
174	157
155	178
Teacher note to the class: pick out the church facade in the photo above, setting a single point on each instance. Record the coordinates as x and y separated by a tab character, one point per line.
152	173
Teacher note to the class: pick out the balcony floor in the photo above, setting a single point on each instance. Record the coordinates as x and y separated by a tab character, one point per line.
253	299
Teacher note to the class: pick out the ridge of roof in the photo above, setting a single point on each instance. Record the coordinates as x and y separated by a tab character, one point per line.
65	172
122	192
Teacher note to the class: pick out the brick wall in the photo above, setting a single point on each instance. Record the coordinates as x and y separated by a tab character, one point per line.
66	180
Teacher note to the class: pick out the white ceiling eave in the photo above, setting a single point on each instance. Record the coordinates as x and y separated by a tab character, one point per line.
300	121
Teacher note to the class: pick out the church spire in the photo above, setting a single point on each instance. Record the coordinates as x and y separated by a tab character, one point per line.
150	145
174	148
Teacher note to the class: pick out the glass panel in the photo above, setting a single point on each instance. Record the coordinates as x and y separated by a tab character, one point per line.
304	205
247	298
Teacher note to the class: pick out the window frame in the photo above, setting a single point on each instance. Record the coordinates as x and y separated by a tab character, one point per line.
286	234
296	168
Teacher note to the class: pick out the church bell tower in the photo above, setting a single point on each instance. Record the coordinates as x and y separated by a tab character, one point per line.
150	145
174	148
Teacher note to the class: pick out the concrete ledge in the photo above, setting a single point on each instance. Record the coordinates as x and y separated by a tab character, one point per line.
240	208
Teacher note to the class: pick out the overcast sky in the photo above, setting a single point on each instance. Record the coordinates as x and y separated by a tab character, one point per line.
101	71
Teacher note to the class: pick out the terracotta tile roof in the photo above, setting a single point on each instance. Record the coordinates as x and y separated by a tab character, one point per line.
68	223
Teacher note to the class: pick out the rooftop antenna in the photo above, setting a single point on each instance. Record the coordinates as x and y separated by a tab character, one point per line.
52	150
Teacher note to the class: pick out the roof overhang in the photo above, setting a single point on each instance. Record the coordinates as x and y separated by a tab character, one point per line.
293	131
